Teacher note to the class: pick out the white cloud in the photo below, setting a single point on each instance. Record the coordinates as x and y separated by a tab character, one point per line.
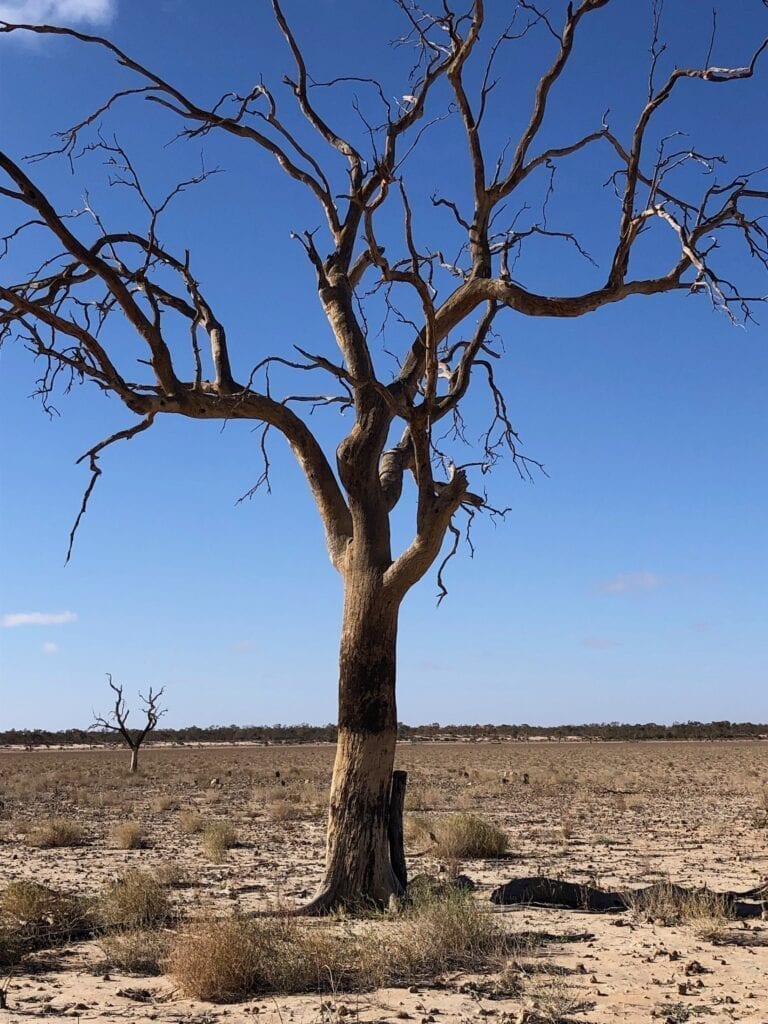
49	647
57	11
599	643
37	619
630	581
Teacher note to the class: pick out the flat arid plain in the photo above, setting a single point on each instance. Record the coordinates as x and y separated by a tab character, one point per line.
132	873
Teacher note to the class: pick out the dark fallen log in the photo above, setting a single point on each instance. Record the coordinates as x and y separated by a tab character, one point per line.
551	892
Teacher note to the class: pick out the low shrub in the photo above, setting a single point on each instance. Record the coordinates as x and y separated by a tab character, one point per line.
128	835
161	804
191	823
170	874
34	916
136	900
467	837
218	837
707	912
136	950
56	832
444	932
227	960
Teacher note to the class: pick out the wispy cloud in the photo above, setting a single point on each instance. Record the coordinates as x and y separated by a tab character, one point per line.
69	12
429	666
49	647
243	646
632	581
599	643
37	619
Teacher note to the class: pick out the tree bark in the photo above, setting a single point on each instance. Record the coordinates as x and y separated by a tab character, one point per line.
358	870
134	760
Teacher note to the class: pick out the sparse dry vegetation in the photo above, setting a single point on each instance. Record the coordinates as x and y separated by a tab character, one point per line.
136	950
218	838
56	832
191	823
469	837
135	900
128	835
226	960
34	916
566	816
442	932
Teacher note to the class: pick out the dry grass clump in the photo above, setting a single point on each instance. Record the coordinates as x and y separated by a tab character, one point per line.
34	916
302	798
191	823
282	809
664	903
170	874
422	797
136	900
554	1001
55	832
161	804
417	831
137	950
440	933
223	961
128	835
227	960
218	837
468	837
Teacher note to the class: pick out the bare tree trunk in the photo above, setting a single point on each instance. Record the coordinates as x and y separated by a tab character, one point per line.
358	869
134	760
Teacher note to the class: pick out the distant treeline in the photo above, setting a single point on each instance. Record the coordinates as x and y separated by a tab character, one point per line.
327	733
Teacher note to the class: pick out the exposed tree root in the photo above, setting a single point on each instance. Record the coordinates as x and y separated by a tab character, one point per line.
551	892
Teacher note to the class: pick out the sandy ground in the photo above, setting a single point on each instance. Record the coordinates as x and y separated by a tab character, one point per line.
615	815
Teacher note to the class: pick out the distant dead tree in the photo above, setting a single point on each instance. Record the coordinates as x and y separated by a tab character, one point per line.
118	719
441	272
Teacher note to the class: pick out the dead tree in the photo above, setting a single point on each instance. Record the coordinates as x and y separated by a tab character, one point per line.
118	719
442	301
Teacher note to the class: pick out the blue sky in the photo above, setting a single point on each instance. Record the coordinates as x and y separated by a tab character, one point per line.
629	584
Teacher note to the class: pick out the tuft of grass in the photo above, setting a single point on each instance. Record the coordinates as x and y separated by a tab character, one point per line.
136	900
468	837
284	810
170	874
218	838
443	932
55	832
555	1002
418	831
136	950
34	916
227	960
191	823
707	912
128	835
161	804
